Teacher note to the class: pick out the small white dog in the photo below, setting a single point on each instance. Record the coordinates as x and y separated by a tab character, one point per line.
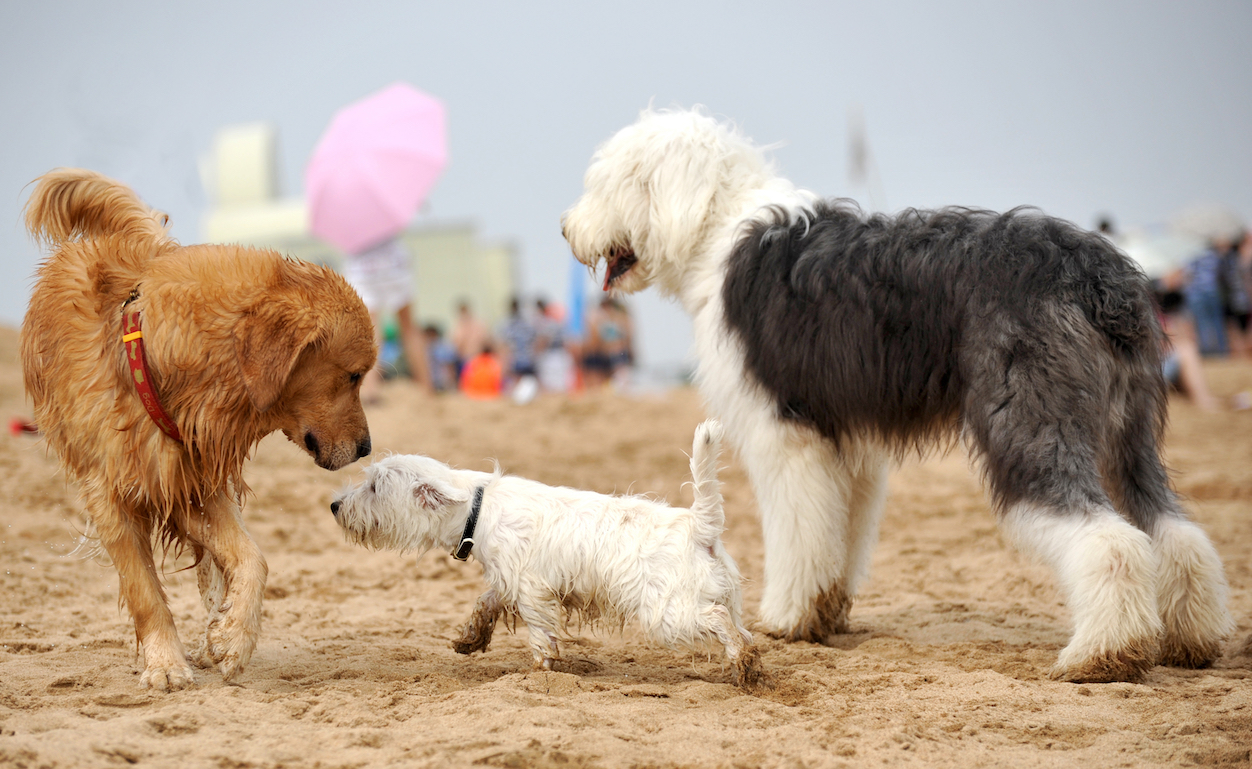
549	551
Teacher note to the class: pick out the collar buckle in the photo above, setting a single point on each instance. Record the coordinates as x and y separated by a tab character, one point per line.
463	548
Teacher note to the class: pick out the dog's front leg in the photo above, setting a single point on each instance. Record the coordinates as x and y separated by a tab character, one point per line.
126	536
805	495
476	634
543	624
232	631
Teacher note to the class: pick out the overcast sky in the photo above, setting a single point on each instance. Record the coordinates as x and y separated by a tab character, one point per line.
1134	109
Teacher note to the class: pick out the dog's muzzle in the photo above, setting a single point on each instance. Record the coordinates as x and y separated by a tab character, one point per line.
618	263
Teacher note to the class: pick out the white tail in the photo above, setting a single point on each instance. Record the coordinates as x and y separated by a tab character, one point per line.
706	449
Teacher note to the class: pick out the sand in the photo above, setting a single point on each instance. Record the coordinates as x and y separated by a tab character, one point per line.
946	664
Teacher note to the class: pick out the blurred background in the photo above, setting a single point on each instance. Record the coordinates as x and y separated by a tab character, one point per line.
1132	111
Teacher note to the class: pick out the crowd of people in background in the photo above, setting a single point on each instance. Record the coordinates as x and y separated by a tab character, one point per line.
532	350
1205	306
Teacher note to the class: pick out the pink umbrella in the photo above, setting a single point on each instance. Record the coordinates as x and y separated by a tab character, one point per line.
374	166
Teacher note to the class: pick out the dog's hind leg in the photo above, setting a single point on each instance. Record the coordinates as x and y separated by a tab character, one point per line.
1191	584
1107	572
744	658
232	631
542	616
212	585
804	493
126	534
476	634
1038	412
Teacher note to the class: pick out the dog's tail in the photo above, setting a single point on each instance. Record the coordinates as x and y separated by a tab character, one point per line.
71	203
707	511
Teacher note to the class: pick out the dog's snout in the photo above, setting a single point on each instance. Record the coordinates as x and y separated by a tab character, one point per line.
310	443
334	507
363	447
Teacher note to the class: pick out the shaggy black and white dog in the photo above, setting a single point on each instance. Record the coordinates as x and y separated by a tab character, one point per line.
831	343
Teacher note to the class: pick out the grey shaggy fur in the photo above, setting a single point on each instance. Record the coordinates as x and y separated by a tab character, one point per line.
1037	338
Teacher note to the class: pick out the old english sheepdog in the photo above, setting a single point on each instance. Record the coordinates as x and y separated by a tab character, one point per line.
831	342
548	552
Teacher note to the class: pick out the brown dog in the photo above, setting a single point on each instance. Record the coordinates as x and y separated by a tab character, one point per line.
238	343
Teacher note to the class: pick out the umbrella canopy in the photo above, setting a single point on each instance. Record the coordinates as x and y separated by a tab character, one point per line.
374	166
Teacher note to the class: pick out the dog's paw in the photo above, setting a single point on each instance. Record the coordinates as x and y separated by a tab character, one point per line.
475	637
229	643
747	672
1129	665
167	678
1177	653
199	656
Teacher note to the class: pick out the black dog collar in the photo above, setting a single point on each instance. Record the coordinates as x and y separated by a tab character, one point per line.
463	549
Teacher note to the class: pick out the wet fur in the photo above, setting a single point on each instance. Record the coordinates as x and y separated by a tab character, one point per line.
239	343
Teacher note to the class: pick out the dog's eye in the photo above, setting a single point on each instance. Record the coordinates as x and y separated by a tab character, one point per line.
354	378
373	487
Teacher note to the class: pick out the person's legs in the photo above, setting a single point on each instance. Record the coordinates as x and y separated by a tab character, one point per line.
414	344
1190	366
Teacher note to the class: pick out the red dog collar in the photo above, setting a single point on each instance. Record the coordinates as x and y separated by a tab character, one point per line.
132	338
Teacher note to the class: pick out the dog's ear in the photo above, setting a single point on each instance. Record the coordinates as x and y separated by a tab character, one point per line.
681	190
437	495
268	340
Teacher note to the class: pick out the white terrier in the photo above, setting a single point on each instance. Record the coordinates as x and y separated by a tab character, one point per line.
548	552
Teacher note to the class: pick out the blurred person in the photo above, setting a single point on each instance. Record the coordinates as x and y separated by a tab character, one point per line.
442	359
1205	302
1237	280
383	277
482	376
554	360
517	334
608	350
1181	361
469	335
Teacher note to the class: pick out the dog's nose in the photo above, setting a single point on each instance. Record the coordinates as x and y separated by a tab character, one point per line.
334	507
363	448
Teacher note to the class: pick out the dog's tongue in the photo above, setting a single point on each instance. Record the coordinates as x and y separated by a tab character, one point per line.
607	278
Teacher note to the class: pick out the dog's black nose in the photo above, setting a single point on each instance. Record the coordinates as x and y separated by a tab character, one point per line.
363	448
334	507
310	443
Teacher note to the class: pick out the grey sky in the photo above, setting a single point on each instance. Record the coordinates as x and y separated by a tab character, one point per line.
1135	109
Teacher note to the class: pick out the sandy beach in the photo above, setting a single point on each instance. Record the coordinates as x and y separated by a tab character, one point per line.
946	665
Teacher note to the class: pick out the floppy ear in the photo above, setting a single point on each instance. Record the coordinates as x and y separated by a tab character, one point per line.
268	340
436	495
681	189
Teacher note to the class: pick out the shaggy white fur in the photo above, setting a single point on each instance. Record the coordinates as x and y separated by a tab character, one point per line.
548	551
667	201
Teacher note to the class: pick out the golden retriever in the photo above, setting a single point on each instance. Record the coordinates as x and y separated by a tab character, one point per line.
239	342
